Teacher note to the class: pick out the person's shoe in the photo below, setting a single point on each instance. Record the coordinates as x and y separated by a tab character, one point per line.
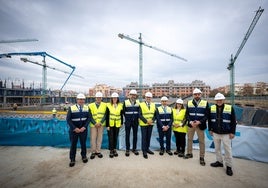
84	159
169	152
176	152
150	152
229	171
181	154
216	164
202	161
115	153
145	155
188	155
161	152
72	163
99	155
111	155
135	152
92	156
127	153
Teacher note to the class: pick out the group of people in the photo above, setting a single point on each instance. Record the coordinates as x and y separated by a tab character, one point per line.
132	113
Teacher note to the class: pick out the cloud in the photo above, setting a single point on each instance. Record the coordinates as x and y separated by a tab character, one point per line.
84	34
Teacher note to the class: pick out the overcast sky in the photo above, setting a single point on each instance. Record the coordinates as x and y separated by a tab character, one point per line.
84	34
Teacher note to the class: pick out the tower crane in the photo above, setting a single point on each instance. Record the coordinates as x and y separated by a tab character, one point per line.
233	59
18	40
44	65
122	36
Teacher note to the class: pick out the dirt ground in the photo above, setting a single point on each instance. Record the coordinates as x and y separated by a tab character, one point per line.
48	167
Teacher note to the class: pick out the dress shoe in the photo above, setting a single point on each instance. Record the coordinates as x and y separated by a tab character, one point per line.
135	152
111	155
202	161
169	152
127	153
181	154
99	155
188	155
145	156
92	156
176	152
115	153
161	152
84	159
150	152
72	163
229	171
216	164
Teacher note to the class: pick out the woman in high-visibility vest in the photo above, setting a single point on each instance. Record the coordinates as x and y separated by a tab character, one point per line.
114	116
179	127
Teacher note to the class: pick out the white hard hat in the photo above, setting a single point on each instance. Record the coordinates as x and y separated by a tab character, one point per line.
164	98
133	92
81	96
114	95
179	101
196	90
148	94
99	94
219	96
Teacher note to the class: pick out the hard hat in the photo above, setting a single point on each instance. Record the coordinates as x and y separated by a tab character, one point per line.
133	92
164	98
114	95
219	96
179	101
99	94
81	96
196	90
148	94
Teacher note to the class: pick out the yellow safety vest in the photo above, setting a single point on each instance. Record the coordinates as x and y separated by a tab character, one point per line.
146	113
177	119
115	114
97	113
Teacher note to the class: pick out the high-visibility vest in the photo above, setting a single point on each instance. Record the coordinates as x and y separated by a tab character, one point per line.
97	113
177	119
226	117
146	112
165	116
79	117
115	114
197	113
131	111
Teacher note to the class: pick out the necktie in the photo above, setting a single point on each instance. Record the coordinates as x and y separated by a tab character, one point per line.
148	104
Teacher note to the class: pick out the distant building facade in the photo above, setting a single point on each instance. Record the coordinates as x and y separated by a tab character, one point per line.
170	89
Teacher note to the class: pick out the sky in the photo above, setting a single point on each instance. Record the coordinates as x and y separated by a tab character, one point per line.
84	34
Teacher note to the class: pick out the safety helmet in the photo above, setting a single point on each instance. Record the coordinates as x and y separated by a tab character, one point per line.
164	98
179	101
99	94
196	90
81	96
114	95
148	94
133	92
219	96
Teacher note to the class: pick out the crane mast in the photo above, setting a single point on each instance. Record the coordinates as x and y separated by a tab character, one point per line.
233	59
141	43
